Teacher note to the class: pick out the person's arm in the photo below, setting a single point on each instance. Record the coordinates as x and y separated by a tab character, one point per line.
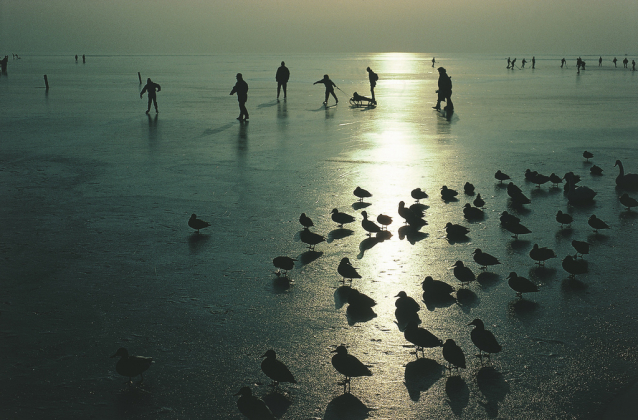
234	90
143	90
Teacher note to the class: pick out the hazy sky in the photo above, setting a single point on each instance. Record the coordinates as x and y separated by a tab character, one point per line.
217	26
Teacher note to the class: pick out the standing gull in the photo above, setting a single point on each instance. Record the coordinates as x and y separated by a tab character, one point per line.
275	369
349	366
484	339
196	223
341	218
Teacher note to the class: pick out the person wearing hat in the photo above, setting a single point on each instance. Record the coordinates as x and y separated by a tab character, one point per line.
445	90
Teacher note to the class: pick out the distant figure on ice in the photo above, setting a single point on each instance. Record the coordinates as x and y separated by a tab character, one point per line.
615	60
433	61
76	58
509	62
282	76
241	88
562	62
513	63
83	58
625	62
523	63
633	65
373	77
445	90
600	61
3	64
152	89
329	84
533	62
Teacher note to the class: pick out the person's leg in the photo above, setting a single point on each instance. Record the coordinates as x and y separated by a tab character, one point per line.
279	89
285	93
372	92
335	96
244	111
327	96
150	100
155	103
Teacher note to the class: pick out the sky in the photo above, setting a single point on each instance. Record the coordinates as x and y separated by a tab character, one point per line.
308	26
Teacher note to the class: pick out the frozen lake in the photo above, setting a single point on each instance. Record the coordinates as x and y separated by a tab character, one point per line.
97	253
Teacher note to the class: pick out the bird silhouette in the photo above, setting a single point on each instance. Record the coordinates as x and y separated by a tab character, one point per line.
578	195
131	366
596	170
555	180
384	221
360	193
564	218
406	303
196	223
368	225
483	339
587	155
506	218
448	194
421	338
627	181
520	284
411	218
596	223
541	254
516	229
478	201
484	259
341	218
453	354
472	213
436	289
581	248
275	369
305	221
455	231
310	238
418	194
501	176
283	263
468	188
574	267
628	201
253	407
349	366
462	273
346	270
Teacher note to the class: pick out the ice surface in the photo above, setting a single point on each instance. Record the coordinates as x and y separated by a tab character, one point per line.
97	253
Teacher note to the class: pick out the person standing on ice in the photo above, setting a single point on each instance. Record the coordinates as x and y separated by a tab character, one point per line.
151	88
282	76
373	77
445	90
329	84
241	88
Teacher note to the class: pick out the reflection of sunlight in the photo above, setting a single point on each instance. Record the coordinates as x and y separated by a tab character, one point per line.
407	63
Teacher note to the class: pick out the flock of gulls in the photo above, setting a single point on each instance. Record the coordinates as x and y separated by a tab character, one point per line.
434	291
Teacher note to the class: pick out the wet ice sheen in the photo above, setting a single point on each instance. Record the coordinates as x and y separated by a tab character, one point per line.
99	255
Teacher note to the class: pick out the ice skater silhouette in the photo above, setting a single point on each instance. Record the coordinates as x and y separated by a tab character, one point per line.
329	84
282	76
241	88
373	77
445	90
152	89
